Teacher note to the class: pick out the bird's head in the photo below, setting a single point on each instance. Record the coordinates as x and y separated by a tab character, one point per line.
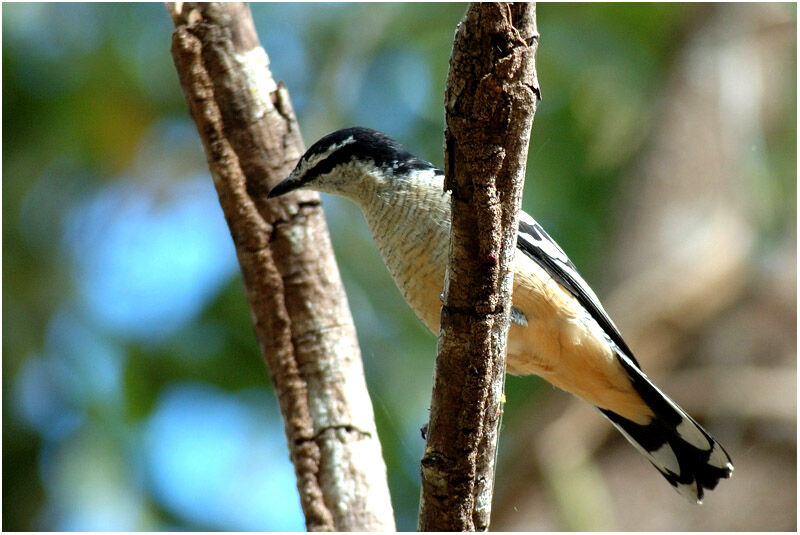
343	161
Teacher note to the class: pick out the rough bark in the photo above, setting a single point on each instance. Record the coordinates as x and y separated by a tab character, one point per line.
300	312
490	102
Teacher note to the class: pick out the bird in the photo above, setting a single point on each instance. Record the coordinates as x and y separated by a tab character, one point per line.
559	330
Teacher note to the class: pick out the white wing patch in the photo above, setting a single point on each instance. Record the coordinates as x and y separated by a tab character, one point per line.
545	242
542	249
704	461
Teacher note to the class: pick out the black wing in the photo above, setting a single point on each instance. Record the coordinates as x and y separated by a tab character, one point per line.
540	247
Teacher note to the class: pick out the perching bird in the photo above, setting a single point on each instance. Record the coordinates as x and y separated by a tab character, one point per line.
559	329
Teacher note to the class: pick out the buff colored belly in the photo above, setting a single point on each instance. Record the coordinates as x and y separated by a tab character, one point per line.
566	348
558	343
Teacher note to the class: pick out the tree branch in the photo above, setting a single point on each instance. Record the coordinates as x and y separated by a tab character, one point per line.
301	317
490	101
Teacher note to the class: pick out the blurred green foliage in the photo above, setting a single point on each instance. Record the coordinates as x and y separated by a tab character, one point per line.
91	100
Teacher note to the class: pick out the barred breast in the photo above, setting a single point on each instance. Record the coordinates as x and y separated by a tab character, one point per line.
410	227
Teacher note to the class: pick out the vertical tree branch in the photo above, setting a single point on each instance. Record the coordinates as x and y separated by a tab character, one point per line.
490	101
300	312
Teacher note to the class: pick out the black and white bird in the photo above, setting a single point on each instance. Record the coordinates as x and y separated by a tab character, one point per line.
559	330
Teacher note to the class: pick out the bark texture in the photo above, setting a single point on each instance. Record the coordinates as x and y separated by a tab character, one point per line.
490	102
300	312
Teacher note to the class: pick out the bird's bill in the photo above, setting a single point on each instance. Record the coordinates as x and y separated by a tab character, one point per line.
285	186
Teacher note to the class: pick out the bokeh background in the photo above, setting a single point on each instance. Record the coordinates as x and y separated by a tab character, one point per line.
663	160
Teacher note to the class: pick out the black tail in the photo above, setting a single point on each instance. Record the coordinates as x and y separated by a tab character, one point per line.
673	442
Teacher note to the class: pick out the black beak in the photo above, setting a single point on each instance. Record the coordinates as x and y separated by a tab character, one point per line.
283	187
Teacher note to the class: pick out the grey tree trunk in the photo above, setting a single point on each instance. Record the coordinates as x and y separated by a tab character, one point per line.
300	312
